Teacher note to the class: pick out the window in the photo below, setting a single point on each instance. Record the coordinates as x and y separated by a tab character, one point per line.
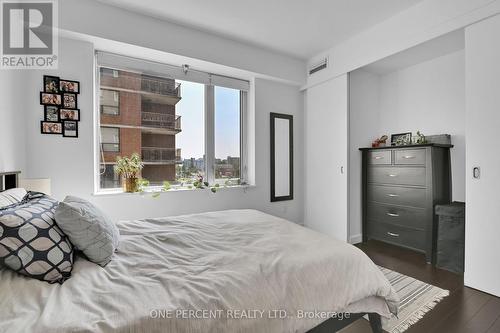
227	136
110	139
183	129
110	102
109	179
191	140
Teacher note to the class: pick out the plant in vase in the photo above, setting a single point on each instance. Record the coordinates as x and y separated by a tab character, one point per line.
129	168
200	184
420	139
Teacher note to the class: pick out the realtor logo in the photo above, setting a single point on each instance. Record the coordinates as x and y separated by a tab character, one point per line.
29	34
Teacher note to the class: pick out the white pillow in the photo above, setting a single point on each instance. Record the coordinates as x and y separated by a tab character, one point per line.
12	196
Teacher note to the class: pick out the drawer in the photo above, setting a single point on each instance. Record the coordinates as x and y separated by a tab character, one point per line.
404	196
409	156
402	216
380	157
397	175
394	234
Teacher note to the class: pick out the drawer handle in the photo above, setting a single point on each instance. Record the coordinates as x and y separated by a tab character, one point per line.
392	195
379	157
392	234
393	214
408	157
392	175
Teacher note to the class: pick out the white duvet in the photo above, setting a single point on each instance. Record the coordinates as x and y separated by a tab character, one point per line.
227	271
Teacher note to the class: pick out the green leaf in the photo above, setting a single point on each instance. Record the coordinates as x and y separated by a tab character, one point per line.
166	186
213	189
155	195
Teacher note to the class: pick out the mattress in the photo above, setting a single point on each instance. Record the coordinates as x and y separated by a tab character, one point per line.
226	271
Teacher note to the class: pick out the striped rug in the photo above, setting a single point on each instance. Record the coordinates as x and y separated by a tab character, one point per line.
416	299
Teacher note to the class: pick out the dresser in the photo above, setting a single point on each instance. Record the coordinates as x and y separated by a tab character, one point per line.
401	186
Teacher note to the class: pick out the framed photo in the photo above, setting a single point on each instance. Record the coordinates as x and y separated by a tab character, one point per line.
52	113
69	86
51	127
401	139
69	114
69	100
50	99
70	129
51	84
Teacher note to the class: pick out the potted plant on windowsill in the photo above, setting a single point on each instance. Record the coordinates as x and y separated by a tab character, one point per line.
129	168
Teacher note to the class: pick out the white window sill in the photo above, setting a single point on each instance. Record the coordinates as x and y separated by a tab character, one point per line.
157	190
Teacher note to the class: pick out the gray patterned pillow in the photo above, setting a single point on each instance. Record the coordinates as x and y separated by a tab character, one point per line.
30	241
12	196
89	229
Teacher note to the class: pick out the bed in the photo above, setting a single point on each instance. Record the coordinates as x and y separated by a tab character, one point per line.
226	271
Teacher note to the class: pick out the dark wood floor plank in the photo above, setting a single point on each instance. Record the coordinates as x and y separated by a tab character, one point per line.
442	310
495	328
484	319
466	310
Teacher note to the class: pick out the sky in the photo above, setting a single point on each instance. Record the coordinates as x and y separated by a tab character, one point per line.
227	121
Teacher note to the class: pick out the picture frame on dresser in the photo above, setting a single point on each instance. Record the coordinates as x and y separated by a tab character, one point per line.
401	139
401	185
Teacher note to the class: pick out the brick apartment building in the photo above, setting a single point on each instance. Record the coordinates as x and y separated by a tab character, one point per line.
138	116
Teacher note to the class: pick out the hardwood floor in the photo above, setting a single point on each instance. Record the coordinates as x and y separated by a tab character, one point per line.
466	310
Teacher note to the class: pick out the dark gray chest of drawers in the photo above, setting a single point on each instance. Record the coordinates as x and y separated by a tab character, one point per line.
401	186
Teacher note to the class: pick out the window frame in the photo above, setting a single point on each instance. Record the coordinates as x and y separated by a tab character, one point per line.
111	143
110	106
209	119
243	97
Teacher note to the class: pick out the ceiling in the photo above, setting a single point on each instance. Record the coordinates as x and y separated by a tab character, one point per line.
299	28
437	47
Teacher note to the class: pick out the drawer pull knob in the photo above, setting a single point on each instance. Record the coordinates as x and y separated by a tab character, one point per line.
379	157
408	157
392	175
393	214
392	195
392	234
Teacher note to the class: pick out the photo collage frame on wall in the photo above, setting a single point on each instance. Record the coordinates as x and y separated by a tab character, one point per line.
60	101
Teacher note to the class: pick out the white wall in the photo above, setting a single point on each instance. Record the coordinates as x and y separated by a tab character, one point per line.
69	162
12	123
429	97
364	95
326	158
482	248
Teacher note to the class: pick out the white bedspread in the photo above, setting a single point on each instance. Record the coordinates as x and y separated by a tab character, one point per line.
239	263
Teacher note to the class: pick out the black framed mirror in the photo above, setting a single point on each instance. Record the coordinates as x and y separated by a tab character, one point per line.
281	157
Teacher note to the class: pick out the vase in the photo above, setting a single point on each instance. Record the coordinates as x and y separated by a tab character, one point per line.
130	185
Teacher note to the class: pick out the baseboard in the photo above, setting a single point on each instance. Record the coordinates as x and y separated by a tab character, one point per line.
355	239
